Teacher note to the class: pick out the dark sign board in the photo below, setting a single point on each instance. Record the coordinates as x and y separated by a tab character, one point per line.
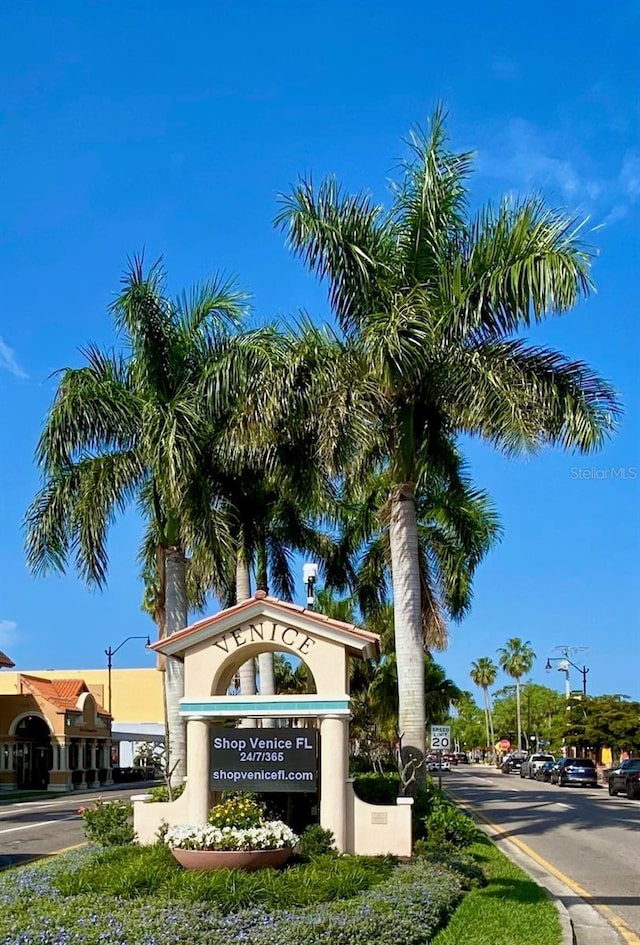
264	759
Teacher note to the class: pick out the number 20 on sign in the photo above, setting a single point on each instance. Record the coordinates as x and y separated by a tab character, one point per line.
440	737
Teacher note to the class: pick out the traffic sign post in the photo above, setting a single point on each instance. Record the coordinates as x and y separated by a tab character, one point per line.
440	737
440	741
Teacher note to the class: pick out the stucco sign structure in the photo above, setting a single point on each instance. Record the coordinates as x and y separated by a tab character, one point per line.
213	649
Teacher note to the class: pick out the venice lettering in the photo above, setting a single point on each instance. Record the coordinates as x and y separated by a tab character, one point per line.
265	632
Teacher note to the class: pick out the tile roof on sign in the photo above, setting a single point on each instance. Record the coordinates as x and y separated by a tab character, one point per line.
5	662
237	609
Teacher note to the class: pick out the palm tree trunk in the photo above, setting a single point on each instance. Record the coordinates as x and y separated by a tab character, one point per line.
405	570
243	579
176	619
247	672
486	714
267	682
266	668
519	715
491	731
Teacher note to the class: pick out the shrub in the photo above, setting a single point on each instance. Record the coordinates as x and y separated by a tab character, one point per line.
109	824
423	804
316	841
448	826
377	788
131	872
237	811
161	792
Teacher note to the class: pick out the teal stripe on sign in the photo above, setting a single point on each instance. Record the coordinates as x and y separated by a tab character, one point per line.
237	706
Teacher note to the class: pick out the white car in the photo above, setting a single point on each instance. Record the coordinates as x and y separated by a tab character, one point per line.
435	765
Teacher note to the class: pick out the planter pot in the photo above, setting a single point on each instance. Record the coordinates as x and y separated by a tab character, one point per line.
231	859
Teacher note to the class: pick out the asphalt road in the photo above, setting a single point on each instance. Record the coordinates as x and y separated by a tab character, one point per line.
583	833
35	828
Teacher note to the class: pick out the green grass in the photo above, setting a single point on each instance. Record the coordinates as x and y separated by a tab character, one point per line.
405	907
133	872
510	910
140	896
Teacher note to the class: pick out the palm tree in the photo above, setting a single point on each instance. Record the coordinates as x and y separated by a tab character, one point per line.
516	658
456	526
429	300
135	427
483	673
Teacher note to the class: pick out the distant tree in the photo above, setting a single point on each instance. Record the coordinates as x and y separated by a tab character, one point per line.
609	721
516	658
483	673
467	728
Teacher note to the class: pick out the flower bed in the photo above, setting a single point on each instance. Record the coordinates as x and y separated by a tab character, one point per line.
236	837
271	835
406	909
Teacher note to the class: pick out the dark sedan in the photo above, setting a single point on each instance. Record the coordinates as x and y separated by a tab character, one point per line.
574	771
544	773
625	778
512	762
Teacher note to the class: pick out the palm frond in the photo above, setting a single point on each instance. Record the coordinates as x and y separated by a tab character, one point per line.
346	240
523	397
519	263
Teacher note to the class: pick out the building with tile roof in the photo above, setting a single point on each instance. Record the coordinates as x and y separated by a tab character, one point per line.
54	735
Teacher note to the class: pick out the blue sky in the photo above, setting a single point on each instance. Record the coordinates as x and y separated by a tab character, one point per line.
174	127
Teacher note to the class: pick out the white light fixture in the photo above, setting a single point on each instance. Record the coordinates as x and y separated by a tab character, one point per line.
309	576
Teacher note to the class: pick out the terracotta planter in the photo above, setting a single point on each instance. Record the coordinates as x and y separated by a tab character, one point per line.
231	859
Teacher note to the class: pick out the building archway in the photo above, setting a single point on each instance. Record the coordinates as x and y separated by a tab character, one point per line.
33	753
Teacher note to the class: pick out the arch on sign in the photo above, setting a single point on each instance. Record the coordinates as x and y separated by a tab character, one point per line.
222	680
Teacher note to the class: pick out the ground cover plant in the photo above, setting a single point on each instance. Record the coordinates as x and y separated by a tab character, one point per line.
124	894
40	905
131	872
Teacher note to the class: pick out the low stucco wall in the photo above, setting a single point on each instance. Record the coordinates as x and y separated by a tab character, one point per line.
378	829
148	816
372	829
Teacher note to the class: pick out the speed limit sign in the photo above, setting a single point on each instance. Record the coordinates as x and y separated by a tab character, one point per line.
440	737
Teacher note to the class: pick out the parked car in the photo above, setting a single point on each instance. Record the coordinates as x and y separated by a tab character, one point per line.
574	771
529	767
512	762
435	764
626	778
544	773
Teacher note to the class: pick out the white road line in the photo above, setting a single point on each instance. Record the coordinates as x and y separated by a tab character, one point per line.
42	823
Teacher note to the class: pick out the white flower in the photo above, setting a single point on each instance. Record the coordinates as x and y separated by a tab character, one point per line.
271	835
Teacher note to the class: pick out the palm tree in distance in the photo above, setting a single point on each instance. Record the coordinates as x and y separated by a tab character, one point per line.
136	427
483	673
517	658
429	301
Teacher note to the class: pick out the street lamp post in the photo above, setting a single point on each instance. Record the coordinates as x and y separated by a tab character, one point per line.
565	663
109	653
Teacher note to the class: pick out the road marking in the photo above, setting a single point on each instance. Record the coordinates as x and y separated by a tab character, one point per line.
41	823
619	925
